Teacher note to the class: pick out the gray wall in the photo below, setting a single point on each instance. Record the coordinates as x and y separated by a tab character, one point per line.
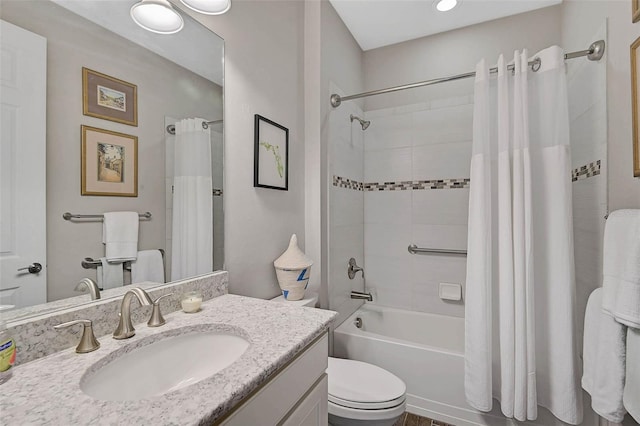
453	52
263	75
73	44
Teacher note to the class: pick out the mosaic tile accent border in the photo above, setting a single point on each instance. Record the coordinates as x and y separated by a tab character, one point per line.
402	185
343	182
217	192
586	171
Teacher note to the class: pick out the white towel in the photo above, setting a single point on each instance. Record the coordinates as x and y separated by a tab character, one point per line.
120	236
604	360
110	275
621	268
631	397
148	267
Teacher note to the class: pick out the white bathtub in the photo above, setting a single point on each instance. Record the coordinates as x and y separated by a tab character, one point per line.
427	352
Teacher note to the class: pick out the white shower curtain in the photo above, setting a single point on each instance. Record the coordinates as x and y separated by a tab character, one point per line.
192	233
520	343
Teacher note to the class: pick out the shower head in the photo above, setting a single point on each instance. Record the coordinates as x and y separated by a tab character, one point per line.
365	124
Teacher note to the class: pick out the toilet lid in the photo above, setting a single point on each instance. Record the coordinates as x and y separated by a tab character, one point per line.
357	384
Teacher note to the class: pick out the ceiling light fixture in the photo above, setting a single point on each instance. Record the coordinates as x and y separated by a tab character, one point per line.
446	5
157	16
208	7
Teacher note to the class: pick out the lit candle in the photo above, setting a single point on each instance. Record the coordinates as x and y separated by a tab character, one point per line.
191	302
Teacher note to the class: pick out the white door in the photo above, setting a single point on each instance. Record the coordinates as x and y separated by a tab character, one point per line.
23	90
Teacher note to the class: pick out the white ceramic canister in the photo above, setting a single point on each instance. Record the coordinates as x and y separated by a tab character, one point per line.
292	269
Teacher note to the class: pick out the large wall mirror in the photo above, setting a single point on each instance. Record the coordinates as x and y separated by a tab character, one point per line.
165	82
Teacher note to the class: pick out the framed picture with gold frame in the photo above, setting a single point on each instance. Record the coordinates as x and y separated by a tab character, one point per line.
635	10
109	163
109	98
635	101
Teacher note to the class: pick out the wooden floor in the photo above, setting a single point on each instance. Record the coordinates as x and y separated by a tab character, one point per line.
409	419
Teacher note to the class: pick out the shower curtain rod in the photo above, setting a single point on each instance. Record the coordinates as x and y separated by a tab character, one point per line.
593	53
171	128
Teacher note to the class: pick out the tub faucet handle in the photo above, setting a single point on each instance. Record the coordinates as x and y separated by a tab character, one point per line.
353	268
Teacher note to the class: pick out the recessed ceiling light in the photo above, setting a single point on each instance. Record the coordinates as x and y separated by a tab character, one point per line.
446	5
208	7
157	16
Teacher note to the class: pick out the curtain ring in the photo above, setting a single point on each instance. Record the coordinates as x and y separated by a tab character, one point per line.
537	63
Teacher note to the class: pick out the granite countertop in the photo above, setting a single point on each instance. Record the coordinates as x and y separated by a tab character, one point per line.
47	391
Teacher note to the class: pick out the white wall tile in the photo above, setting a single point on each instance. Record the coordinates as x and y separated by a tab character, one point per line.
425	298
440	236
452	124
450	101
428	271
395	298
387	272
387	165
390	240
442	161
346	206
440	206
393	131
345	242
387	207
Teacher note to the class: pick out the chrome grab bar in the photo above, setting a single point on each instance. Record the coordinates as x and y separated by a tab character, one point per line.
413	249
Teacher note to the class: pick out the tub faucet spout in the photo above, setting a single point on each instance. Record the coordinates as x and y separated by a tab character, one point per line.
359	295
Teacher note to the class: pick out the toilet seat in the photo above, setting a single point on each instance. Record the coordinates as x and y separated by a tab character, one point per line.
362	386
367	405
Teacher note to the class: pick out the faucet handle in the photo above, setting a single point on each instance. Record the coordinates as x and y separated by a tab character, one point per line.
157	319
88	342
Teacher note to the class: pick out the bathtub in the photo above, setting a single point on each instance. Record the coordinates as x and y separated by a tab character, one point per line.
427	352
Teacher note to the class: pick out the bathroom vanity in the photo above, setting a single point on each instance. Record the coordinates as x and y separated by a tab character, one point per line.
279	378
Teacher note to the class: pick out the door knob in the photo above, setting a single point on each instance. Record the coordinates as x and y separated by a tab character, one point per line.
34	268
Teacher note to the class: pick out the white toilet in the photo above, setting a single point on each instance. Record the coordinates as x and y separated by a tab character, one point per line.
359	393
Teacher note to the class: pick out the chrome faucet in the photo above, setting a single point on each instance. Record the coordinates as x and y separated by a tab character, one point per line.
89	284
125	327
352	269
359	295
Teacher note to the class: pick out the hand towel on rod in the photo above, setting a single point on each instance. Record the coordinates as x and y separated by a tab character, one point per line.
120	236
149	266
110	275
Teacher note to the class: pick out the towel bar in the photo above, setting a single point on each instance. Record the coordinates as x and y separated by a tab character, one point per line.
69	216
90	263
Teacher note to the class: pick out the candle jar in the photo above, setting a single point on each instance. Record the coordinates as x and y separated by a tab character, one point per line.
191	301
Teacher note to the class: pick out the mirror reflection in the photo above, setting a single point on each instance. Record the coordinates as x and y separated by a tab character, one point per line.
101	117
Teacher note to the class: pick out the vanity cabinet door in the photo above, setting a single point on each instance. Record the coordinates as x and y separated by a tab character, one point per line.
277	400
312	410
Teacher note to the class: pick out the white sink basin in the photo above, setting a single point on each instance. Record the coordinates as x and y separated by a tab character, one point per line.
164	366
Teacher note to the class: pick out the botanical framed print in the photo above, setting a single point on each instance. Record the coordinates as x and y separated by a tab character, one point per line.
635	10
271	154
109	98
109	163
635	107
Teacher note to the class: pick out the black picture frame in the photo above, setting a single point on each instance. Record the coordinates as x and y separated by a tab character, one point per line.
270	170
